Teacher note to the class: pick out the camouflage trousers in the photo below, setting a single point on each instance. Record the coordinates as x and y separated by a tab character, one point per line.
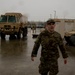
50	66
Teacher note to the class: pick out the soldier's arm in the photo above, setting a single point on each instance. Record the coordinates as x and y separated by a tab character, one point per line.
62	48
36	46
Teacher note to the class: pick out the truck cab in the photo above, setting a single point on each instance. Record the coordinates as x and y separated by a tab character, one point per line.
11	24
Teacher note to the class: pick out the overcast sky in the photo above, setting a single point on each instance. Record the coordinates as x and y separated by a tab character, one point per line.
40	10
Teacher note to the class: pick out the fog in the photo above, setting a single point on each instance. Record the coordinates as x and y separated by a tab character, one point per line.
40	10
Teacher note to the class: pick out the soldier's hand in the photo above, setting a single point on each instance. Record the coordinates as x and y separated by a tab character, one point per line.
65	61
32	58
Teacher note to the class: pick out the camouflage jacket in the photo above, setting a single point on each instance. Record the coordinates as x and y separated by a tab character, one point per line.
49	43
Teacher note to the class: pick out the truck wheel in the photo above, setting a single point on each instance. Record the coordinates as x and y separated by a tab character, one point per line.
18	35
2	35
12	36
25	32
72	39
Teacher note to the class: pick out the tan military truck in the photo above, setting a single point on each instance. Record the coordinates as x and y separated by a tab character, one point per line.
13	24
70	38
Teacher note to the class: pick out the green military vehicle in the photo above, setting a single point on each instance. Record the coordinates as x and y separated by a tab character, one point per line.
70	38
12	24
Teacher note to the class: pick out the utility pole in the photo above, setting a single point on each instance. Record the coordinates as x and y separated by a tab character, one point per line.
50	16
54	14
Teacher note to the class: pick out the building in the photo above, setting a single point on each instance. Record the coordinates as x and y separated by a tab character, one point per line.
64	25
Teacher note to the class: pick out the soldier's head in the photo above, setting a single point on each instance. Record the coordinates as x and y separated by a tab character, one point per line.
50	25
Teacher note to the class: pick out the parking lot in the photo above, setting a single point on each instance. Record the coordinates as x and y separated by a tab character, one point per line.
15	58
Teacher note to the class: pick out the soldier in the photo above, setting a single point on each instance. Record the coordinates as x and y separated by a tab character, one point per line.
34	28
50	40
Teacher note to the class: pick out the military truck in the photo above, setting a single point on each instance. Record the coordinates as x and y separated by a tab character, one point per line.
70	38
13	24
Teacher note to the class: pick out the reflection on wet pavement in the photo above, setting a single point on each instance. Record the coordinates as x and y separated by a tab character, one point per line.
12	47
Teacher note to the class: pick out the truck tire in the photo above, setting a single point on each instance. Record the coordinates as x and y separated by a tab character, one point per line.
18	35
12	36
2	35
24	32
72	39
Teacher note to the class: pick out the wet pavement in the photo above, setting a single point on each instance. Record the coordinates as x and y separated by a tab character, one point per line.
15	58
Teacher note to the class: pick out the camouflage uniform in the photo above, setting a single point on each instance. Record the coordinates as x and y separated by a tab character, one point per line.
49	52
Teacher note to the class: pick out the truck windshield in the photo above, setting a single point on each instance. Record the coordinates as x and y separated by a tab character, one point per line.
3	19
11	19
